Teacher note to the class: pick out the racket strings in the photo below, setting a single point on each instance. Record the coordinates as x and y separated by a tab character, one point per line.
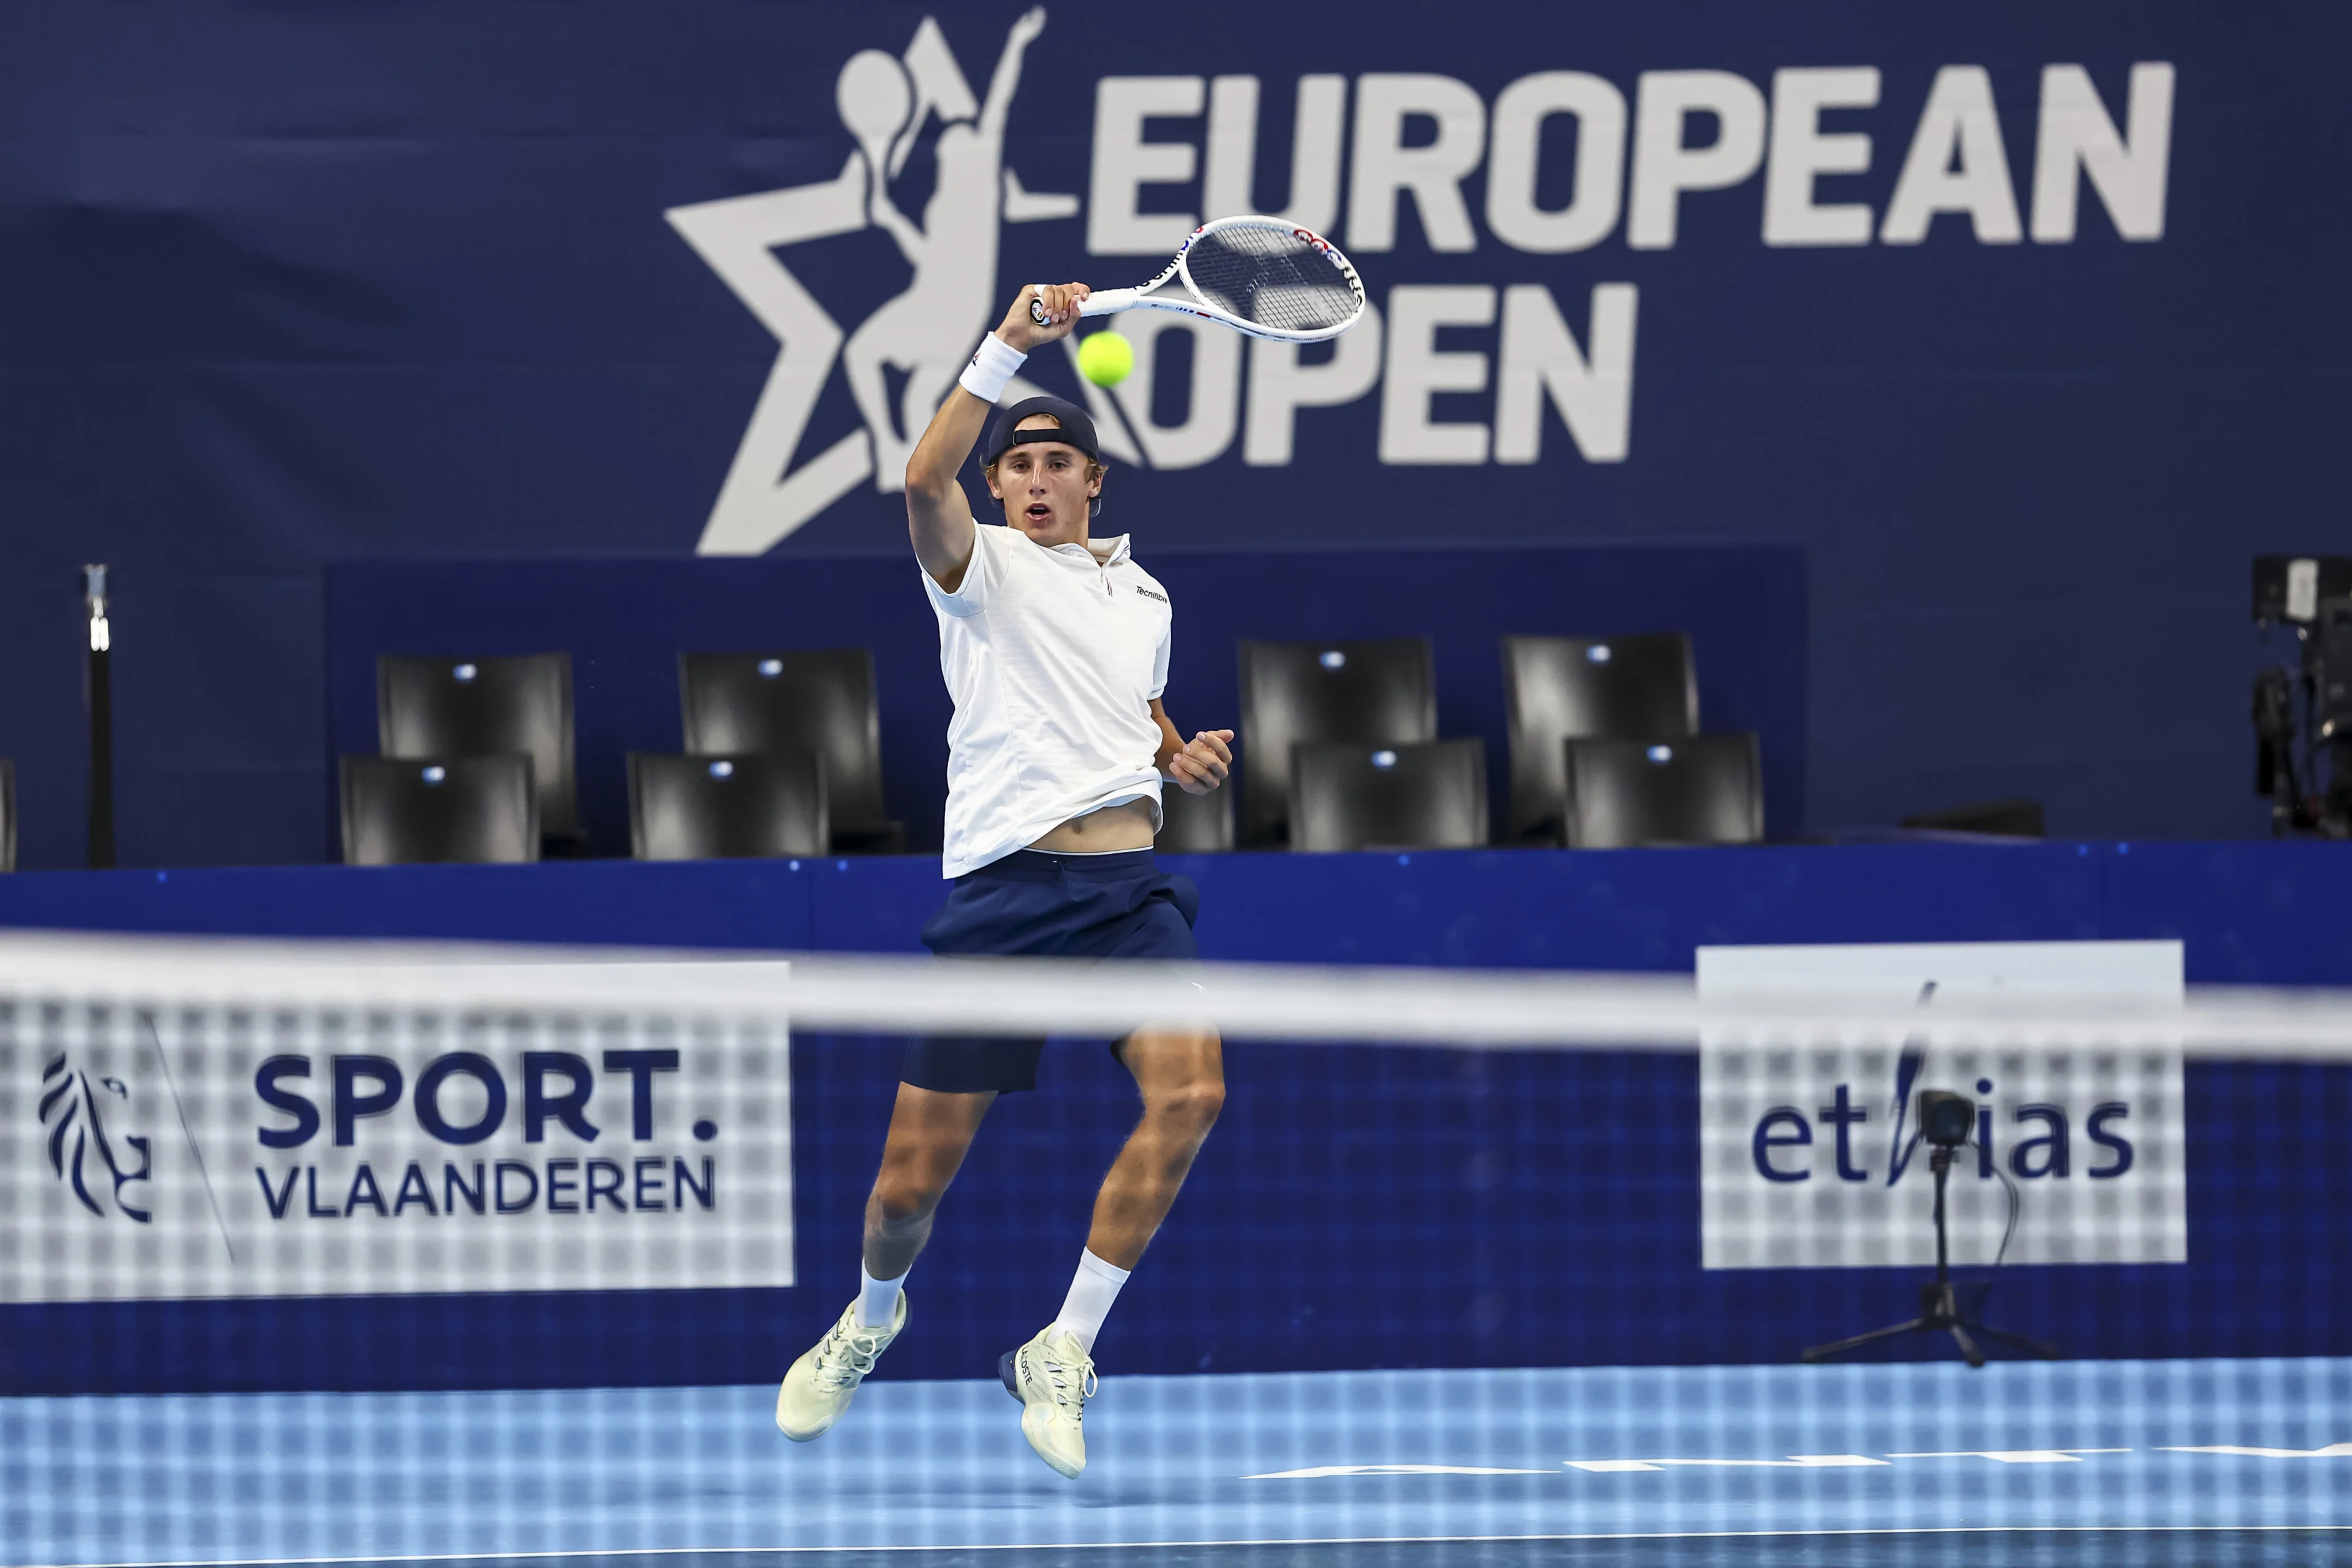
1271	278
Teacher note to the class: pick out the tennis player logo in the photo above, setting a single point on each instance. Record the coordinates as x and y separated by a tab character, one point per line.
886	104
96	1163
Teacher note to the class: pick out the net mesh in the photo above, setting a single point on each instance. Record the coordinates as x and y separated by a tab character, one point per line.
316	1253
1270	275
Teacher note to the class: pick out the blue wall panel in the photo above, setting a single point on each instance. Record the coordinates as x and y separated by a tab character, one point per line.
292	286
1358	1206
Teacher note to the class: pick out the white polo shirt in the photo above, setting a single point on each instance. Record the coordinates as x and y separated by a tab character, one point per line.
1053	657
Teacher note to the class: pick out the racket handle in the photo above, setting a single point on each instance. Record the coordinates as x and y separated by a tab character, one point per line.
1102	302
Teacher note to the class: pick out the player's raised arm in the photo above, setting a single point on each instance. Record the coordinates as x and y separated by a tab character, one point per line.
939	516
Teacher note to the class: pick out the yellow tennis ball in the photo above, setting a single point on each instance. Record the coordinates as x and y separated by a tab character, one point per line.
1106	358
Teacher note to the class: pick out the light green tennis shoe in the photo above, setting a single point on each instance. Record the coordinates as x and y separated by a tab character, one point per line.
1053	1379
816	1391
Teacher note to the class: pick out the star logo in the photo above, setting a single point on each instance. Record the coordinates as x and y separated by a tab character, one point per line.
885	102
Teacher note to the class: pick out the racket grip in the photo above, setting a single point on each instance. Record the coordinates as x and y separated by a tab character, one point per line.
1103	302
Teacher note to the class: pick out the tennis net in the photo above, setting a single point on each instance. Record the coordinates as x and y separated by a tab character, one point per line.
325	1251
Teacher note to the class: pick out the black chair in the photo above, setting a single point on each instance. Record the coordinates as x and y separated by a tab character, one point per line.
1195	823
753	804
7	814
486	706
404	811
1700	789
1639	687
1371	693
1428	795
819	700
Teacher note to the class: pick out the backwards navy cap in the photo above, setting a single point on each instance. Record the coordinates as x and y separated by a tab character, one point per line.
1077	428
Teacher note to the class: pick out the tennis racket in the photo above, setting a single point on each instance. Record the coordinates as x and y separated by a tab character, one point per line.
1257	275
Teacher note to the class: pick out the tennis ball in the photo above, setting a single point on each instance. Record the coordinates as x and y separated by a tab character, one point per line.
1105	358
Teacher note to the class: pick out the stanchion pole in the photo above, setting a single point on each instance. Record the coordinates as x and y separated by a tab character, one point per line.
100	692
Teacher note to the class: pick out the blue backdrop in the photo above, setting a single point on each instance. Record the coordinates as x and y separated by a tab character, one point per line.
2028	375
1357	1206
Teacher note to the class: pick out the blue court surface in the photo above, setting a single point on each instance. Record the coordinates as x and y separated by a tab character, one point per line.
2075	1463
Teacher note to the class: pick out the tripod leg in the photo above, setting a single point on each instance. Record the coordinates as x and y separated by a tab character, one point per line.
1968	1346
2041	1348
1839	1347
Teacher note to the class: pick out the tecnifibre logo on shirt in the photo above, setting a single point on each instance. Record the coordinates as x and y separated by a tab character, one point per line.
1527	353
302	1151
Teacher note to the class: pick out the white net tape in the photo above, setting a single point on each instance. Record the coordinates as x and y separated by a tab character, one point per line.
831	993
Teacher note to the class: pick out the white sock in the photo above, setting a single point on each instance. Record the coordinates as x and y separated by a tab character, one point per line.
877	1299
1093	1290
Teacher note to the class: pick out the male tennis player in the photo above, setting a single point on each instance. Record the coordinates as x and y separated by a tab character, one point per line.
1054	646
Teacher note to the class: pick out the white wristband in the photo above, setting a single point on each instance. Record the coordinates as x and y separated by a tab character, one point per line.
992	366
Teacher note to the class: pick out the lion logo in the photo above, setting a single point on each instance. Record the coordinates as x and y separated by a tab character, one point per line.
74	1110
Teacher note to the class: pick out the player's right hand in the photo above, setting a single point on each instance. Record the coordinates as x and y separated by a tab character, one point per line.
1021	330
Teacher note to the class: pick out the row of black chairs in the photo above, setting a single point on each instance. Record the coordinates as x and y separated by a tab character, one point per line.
1340	750
1698	789
813	704
1606	751
402	811
1428	795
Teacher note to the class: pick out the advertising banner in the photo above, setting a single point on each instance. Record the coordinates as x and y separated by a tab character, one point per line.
1810	1154
158	1154
1504	331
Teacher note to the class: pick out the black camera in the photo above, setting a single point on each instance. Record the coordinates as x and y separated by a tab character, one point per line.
1946	1119
2302	717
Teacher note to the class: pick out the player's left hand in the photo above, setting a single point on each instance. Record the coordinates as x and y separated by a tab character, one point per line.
1205	762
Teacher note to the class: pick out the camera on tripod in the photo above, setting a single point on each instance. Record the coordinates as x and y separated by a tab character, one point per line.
1946	1119
1946	1122
2302	711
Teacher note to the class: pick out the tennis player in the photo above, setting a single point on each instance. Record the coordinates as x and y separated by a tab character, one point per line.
1054	646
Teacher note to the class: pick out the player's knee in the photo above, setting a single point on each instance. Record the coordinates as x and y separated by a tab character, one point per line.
901	1204
1193	1107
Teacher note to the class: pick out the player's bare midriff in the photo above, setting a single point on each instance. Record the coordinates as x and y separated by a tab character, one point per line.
1126	825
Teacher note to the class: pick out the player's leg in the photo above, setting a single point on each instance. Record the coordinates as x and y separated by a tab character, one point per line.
1181	1071
931	1132
1135	913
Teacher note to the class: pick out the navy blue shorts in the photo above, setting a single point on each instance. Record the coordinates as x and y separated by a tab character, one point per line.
1038	905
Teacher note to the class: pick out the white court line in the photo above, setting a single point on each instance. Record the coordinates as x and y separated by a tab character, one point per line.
2333	1451
2020	1456
1320	1472
636	1552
